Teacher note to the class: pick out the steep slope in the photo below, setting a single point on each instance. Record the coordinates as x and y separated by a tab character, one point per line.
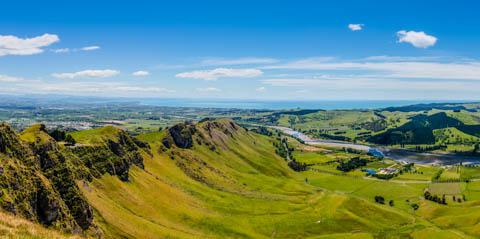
40	179
55	168
216	179
15	227
107	150
26	188
212	179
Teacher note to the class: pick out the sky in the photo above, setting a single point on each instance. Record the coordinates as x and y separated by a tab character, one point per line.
256	50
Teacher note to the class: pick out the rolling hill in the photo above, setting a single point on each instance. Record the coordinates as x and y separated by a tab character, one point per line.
211	179
420	130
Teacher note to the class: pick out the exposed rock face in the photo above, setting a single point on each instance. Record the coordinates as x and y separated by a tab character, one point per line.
210	132
115	157
38	177
10	144
53	165
214	134
26	188
182	135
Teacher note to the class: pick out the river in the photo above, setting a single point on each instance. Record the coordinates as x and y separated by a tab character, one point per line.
401	155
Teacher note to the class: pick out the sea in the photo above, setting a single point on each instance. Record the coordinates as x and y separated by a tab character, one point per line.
279	105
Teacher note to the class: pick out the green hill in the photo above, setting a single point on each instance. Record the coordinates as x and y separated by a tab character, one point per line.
421	130
212	179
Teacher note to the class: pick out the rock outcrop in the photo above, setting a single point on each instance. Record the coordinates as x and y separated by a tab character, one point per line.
27	189
182	134
114	155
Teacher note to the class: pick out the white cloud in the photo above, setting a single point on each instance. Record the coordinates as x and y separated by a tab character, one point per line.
87	74
238	61
355	27
261	89
354	83
88	88
140	73
220	73
417	39
142	89
402	58
12	45
61	50
208	89
5	78
67	50
392	69
90	48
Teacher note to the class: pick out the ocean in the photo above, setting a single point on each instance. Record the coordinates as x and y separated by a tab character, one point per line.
277	105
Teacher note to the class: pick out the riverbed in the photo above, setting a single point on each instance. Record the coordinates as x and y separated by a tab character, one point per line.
400	155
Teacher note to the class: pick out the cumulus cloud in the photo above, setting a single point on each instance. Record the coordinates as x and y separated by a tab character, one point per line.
87	74
140	73
208	89
417	39
12	45
220	73
90	48
238	61
355	27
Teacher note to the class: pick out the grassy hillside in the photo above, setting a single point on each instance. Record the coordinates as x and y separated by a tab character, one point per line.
15	227
215	179
230	183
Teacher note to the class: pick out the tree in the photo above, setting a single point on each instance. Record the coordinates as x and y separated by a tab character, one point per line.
415	206
69	140
58	135
379	199
391	203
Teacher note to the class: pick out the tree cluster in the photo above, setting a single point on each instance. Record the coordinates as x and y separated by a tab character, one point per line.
352	164
434	198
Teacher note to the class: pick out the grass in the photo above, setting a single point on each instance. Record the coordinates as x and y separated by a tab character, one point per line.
339	121
242	189
245	191
33	133
445	188
453	136
450	174
95	136
15	227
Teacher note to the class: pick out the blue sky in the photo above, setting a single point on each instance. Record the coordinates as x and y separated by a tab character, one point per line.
288	50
